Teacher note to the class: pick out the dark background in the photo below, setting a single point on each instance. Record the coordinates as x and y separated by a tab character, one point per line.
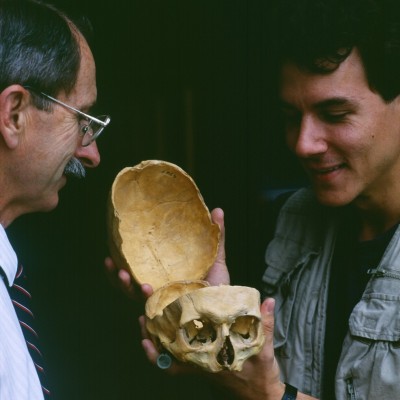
187	82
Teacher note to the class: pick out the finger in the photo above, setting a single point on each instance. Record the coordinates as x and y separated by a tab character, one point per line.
217	216
268	354
267	313
108	262
125	279
147	290
153	354
111	271
126	284
143	330
219	274
150	350
115	274
122	280
176	367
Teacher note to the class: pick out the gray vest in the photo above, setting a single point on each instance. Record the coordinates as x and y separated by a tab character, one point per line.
298	264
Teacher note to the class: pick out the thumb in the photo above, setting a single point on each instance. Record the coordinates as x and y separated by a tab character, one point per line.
267	314
268	354
218	274
217	216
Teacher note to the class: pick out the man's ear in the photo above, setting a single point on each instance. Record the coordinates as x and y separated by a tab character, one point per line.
14	100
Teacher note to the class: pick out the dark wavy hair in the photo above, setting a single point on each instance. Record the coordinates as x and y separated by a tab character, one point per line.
38	47
319	34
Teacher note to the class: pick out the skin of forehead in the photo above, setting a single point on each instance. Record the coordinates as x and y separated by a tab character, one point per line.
84	93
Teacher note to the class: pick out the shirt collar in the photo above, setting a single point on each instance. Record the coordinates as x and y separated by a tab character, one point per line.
8	257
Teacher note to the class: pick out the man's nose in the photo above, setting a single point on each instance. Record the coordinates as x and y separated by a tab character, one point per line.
88	155
309	140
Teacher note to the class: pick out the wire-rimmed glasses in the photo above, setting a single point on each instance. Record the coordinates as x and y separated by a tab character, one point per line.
90	127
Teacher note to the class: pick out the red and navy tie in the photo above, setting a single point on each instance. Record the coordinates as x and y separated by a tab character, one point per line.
21	297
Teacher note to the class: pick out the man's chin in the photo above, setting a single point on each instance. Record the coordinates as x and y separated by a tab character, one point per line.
50	205
332	200
332	197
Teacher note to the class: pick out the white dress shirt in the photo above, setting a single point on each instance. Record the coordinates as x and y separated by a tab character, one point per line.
18	376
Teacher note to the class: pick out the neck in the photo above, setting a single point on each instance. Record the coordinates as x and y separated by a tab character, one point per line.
377	220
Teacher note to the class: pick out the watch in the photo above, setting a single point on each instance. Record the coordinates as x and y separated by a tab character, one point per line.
290	392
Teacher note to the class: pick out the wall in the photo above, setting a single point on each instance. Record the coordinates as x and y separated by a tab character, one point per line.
184	81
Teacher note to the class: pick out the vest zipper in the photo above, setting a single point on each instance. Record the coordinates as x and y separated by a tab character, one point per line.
350	390
382	273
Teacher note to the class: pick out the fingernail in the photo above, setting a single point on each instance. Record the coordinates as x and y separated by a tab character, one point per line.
270	305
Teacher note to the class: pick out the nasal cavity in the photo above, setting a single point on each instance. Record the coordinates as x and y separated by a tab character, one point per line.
227	354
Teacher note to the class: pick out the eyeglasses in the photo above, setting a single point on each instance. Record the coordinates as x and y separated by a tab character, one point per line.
90	127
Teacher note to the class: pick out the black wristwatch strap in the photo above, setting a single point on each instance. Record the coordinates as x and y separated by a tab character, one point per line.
290	392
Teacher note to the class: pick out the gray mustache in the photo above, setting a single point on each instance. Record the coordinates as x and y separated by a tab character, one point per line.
75	168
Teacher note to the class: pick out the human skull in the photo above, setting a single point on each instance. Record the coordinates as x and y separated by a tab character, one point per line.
216	328
161	231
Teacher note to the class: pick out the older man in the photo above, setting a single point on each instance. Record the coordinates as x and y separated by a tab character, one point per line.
47	87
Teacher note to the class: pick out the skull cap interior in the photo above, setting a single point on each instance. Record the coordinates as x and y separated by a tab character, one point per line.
159	226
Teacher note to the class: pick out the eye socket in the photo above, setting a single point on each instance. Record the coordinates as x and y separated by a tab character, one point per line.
199	332
246	326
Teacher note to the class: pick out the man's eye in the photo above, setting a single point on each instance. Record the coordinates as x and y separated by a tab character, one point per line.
84	125
85	129
335	117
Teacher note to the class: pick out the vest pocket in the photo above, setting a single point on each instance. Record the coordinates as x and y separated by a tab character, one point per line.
370	362
376	317
368	369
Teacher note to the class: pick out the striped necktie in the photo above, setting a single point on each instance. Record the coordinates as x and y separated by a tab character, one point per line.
21	300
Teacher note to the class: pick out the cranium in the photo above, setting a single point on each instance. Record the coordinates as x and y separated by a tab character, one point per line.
215	327
160	230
